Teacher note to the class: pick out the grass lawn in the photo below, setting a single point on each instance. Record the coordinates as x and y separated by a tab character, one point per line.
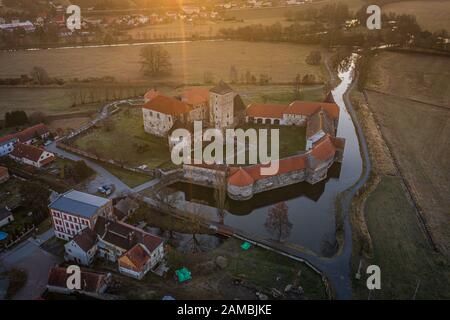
121	142
400	249
131	179
261	267
292	139
432	15
47	100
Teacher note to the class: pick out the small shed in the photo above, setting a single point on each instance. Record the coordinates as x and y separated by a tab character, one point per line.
183	275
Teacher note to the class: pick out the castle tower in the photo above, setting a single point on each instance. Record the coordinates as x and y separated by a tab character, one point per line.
221	104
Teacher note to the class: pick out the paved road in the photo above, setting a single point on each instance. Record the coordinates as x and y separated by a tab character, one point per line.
35	261
102	172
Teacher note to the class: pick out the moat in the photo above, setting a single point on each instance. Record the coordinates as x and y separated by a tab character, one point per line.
312	208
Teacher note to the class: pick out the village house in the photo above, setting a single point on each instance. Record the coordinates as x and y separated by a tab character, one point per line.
31	155
124	208
295	113
7	144
82	248
6	216
135	250
74	210
93	284
4	174
32	134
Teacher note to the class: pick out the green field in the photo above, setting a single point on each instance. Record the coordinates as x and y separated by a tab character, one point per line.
400	249
432	15
281	61
122	141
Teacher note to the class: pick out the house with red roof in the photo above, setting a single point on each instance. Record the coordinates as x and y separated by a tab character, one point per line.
135	251
31	155
295	113
7	144
32	134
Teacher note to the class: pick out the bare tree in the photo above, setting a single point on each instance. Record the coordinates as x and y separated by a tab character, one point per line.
220	194
277	222
39	75
155	60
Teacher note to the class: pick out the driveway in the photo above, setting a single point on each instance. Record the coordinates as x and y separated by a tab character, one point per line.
35	261
105	177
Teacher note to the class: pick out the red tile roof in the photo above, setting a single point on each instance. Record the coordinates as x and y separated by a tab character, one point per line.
324	149
31	132
136	258
245	176
306	108
7	138
167	105
241	178
195	96
153	93
26	151
265	110
90	281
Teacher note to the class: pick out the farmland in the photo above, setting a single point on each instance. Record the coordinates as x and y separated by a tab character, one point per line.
412	76
400	249
189	61
432	15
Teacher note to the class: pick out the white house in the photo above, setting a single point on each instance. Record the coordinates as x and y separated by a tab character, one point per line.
135	250
6	217
82	248
93	284
7	144
74	210
31	155
161	112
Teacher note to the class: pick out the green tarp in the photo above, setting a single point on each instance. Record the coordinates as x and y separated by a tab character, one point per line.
246	246
183	274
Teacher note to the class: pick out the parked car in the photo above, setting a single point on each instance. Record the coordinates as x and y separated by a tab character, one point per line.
106	189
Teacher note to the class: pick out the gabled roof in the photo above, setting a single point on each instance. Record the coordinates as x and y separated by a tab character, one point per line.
307	108
86	239
167	105
8	138
221	88
136	258
26	151
125	236
90	281
324	149
31	132
319	121
78	203
149	95
195	96
265	110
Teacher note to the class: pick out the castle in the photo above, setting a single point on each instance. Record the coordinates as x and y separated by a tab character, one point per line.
217	107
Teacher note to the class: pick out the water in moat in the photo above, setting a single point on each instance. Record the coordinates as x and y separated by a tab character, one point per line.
312	208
